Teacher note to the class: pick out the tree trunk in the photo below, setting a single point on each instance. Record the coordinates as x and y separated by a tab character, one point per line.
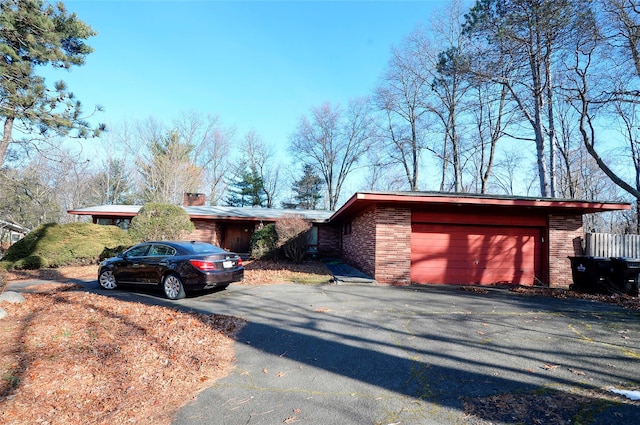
415	154
552	129
6	138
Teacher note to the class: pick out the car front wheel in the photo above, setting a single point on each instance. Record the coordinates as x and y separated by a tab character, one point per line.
173	288
107	280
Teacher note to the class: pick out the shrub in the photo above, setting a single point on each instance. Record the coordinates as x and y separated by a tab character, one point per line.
264	243
31	262
55	245
156	221
112	252
292	233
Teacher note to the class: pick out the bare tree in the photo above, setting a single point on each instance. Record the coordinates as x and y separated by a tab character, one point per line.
333	141
27	196
261	158
490	118
400	98
598	90
192	154
113	183
382	173
450	83
167	169
212	149
528	34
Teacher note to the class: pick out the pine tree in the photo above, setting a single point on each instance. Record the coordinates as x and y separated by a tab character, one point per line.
33	34
247	190
308	189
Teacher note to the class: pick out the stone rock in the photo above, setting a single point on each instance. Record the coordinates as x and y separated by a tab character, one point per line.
12	297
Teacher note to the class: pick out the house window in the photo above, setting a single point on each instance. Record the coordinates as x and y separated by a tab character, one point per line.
122	223
312	240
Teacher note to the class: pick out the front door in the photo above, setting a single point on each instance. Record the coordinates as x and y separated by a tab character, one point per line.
237	237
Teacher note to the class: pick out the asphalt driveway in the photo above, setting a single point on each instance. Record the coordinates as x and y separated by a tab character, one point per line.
367	354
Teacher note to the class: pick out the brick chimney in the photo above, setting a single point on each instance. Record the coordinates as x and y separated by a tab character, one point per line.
193	200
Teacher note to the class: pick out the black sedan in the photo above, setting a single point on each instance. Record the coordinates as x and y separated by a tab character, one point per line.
176	266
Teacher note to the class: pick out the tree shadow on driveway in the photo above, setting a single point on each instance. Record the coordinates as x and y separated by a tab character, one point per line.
363	354
415	355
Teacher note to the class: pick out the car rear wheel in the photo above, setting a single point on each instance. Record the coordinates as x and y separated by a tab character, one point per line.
173	288
107	280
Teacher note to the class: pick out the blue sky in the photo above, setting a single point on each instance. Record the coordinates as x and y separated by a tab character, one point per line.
259	65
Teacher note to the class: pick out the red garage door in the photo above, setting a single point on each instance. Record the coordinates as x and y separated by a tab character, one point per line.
450	253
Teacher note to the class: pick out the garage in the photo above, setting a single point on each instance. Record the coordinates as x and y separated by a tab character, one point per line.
481	255
486	246
403	238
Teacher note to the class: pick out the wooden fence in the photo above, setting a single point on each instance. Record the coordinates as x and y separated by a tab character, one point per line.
608	245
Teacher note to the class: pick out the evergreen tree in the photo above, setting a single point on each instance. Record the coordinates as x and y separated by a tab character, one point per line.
308	190
247	190
34	33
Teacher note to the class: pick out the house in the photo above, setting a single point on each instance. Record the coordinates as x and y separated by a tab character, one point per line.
10	233
228	227
420	237
426	237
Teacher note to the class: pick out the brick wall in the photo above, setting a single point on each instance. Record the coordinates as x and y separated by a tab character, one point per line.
329	240
380	244
359	246
193	199
393	249
565	240
206	231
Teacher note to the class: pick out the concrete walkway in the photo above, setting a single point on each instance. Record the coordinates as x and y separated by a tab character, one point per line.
344	273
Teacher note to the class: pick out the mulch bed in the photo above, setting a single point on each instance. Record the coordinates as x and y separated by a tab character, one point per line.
76	357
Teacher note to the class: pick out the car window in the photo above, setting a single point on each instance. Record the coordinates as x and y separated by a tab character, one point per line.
138	251
161	250
205	248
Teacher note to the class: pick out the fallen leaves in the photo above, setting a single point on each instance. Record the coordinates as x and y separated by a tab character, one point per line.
74	357
475	289
622	300
543	406
260	272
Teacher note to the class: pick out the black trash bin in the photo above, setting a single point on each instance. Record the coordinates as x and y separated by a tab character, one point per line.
625	274
591	274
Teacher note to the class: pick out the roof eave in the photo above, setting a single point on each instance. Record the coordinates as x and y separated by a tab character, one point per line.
362	200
